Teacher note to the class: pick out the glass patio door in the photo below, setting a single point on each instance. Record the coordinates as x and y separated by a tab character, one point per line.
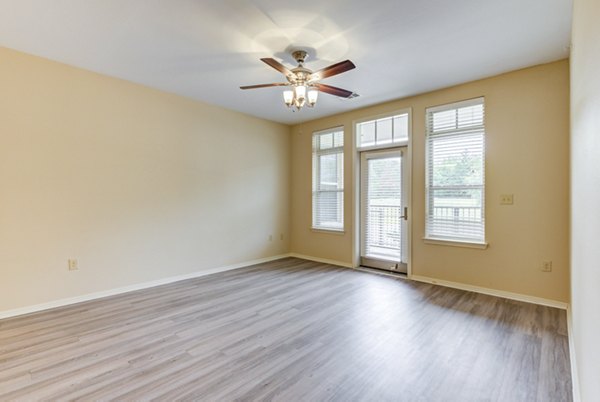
383	210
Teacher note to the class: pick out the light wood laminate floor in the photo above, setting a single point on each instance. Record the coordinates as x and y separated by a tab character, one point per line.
289	330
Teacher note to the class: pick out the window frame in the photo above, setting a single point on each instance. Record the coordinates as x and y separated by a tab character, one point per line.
402	143
316	153
429	238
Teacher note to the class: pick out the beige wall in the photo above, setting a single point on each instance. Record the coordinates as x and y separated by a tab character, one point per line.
139	185
585	195
135	183
527	145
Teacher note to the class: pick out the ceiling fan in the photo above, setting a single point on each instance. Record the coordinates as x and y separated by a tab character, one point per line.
305	83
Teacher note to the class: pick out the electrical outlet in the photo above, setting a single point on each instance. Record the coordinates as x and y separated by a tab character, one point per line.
506	199
547	266
73	265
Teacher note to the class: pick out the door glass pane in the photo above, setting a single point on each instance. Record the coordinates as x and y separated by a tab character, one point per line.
383	215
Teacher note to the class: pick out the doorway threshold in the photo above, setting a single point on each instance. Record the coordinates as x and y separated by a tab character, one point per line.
383	272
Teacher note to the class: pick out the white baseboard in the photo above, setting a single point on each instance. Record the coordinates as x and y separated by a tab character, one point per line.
492	292
131	288
573	360
323	260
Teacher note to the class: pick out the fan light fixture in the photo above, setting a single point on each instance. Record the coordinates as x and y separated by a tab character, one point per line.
300	97
303	84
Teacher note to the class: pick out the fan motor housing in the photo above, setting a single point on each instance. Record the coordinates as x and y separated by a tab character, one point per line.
299	56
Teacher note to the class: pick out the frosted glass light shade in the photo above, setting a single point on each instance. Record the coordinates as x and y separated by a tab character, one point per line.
300	92
288	97
313	94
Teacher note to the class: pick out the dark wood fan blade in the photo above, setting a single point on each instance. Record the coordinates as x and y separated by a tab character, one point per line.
277	84
277	66
342	93
332	70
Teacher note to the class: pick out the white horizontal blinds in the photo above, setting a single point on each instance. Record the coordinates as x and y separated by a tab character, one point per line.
328	180
383	226
456	171
384	131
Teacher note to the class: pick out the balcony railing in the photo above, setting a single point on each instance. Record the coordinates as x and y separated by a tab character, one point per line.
384	227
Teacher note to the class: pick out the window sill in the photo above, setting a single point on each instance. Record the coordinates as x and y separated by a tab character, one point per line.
328	231
455	243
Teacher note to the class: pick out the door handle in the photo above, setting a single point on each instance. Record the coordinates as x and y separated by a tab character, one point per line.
405	216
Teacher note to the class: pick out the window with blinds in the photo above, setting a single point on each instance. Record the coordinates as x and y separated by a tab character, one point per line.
328	180
383	132
455	172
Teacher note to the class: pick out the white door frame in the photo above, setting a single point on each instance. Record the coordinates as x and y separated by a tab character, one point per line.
381	154
356	202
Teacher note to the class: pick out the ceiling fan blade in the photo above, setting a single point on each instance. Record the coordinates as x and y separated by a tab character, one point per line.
332	70
342	93
277	84
277	66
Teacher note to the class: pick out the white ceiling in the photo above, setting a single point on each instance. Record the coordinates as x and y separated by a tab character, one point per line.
206	49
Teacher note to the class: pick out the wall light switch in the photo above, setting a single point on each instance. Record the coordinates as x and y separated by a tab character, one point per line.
506	199
73	266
